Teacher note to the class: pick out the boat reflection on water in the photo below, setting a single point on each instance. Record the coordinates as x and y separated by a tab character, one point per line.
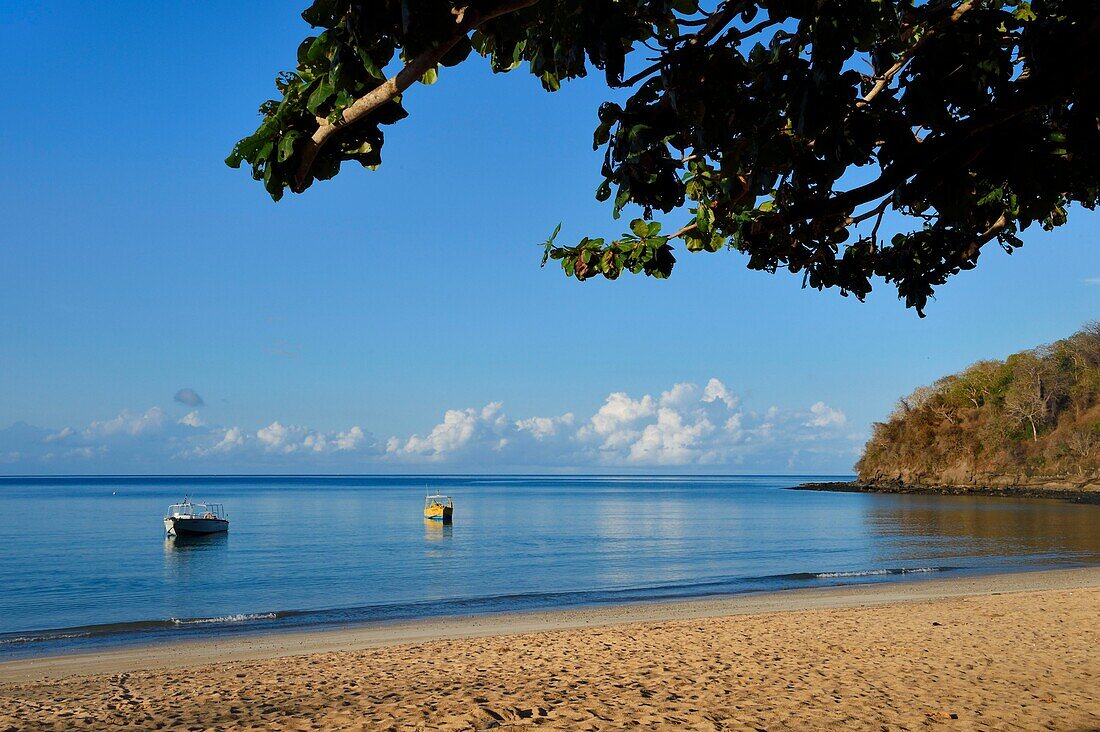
191	561
437	530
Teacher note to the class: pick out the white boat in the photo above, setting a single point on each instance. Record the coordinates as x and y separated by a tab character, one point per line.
192	519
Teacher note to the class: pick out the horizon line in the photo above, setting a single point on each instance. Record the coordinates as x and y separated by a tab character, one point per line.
37	476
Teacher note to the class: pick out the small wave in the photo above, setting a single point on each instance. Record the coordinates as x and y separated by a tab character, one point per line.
877	572
240	618
26	642
39	638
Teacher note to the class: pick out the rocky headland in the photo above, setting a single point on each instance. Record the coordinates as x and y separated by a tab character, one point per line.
1027	426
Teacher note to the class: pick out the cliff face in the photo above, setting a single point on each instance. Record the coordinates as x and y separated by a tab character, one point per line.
1032	420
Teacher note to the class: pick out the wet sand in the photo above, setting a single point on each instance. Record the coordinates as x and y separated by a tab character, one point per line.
1014	651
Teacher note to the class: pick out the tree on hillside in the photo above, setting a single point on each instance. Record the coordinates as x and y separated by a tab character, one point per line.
785	129
1082	445
1083	348
977	382
1025	400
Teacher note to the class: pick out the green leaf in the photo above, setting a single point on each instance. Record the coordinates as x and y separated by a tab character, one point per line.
368	63
994	195
320	95
286	145
548	245
235	158
704	218
318	48
694	241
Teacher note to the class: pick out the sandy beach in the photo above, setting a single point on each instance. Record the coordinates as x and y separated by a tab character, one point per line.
1012	651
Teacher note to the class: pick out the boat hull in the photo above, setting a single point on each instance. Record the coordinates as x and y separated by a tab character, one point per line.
195	526
439	513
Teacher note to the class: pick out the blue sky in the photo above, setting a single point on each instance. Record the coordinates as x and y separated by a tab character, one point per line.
134	264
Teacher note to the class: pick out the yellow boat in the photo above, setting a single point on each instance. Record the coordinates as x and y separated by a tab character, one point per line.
438	508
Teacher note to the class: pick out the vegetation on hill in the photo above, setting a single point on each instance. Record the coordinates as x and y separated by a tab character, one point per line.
1031	419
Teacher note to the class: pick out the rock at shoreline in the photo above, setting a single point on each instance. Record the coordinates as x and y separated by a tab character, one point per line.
1074	494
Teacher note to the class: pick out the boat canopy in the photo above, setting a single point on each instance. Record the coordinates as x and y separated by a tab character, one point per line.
437	500
187	509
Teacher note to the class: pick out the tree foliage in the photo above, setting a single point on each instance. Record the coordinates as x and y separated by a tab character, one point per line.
1035	414
840	139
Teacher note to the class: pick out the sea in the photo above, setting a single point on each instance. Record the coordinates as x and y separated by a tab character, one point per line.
85	563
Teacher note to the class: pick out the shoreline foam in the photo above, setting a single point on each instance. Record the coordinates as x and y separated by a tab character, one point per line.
92	638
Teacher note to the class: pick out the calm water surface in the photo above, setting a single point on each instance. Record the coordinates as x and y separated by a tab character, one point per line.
84	562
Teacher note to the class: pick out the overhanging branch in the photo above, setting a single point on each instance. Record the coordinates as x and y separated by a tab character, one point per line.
466	21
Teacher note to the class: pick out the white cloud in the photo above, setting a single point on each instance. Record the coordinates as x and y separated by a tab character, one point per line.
680	395
128	423
350	440
66	432
685	427
717	391
192	419
671	440
273	437
542	428
615	423
675	428
314	442
826	416
288	439
456	429
678	428
1092	280
232	438
459	429
86	453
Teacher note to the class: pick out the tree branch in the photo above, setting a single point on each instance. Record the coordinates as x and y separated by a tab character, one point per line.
750	32
877	210
968	254
874	229
717	21
713	26
680	232
890	73
641	74
994	229
466	21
